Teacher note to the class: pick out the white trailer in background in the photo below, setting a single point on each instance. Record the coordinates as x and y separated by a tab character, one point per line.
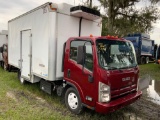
36	39
3	40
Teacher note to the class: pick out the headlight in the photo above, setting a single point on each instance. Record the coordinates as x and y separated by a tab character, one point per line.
104	92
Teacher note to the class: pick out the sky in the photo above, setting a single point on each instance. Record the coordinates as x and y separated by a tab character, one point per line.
10	9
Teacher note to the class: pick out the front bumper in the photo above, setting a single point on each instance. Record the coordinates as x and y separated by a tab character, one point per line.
118	103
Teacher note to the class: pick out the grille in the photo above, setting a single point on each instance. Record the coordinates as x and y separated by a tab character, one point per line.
116	93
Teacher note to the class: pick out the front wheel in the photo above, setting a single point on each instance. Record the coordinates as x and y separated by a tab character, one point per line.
73	101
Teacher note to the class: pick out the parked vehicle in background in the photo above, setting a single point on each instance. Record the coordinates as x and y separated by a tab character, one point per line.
3	40
5	64
99	73
4	57
144	47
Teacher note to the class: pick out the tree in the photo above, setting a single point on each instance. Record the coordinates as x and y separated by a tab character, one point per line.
123	17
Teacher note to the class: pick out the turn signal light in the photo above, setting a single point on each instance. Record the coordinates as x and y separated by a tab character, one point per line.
108	36
53	8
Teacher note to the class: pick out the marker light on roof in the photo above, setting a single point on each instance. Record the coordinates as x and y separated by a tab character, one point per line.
91	35
52	8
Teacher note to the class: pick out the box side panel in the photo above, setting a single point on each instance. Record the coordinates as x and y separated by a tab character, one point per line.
67	27
40	38
37	21
90	27
52	45
14	42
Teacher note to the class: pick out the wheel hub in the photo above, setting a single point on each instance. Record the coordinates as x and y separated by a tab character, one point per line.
73	100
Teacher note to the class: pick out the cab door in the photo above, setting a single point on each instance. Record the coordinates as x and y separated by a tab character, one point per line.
79	74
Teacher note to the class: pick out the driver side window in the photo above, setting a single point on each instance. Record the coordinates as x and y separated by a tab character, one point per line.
89	54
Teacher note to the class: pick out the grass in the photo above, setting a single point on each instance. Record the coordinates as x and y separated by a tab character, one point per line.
150	69
25	102
18	102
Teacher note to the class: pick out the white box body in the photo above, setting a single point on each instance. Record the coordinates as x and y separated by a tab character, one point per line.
49	30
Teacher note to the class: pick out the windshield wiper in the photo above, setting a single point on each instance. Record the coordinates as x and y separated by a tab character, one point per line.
135	65
111	68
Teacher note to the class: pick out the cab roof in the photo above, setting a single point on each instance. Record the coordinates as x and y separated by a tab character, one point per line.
94	38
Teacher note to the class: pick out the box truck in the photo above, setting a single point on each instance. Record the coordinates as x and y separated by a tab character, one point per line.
3	40
53	44
144	47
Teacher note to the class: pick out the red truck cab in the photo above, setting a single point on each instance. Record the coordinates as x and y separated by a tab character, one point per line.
101	73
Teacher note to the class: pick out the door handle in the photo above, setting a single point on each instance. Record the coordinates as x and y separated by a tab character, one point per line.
68	73
90	78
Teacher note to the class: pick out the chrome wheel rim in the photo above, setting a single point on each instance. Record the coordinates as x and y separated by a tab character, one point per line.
72	100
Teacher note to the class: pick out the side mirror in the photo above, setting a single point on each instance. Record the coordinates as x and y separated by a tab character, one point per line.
81	54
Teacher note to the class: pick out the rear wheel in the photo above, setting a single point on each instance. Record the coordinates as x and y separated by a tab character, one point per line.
73	101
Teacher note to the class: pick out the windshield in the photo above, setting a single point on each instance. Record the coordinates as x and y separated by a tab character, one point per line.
114	54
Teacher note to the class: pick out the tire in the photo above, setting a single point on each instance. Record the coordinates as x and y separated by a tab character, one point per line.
147	60
22	80
73	101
